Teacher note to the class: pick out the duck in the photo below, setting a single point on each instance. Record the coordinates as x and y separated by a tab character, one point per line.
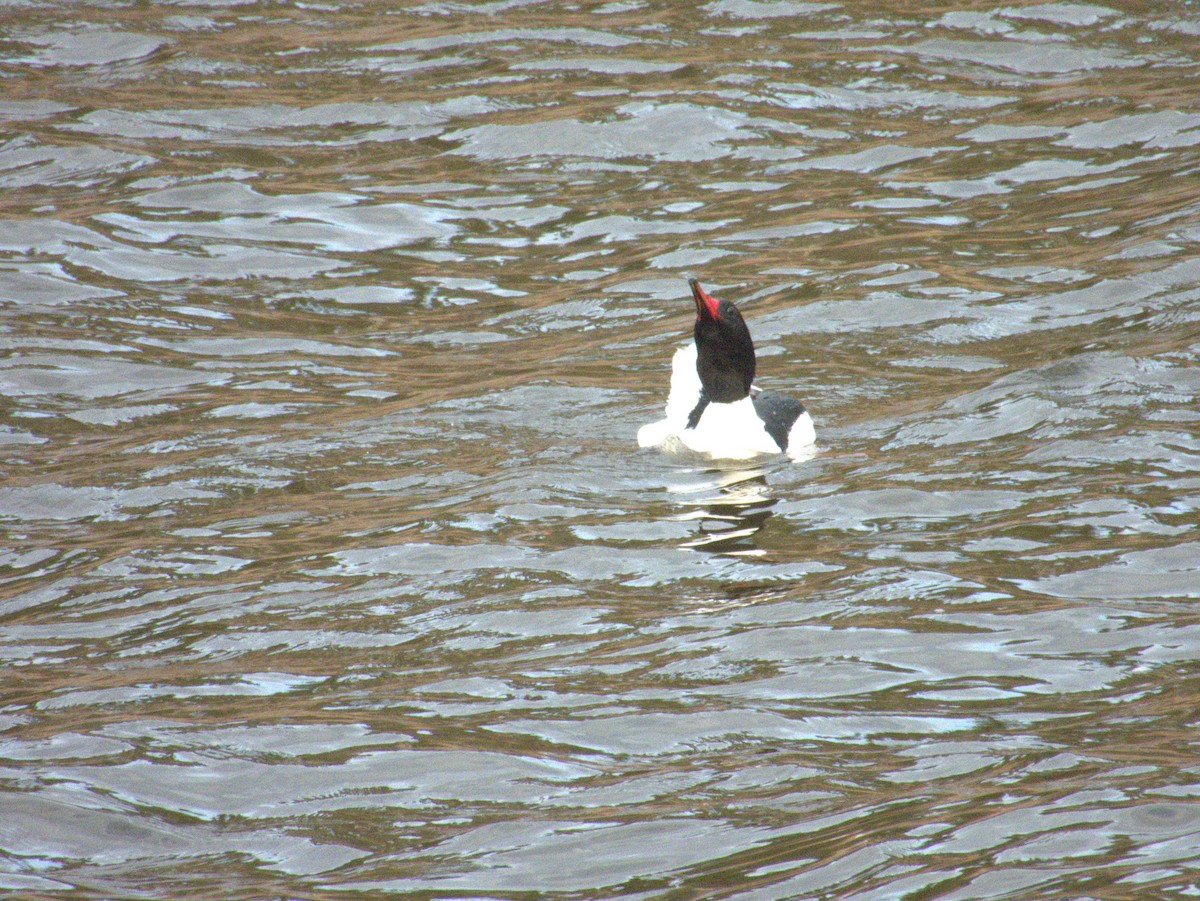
713	407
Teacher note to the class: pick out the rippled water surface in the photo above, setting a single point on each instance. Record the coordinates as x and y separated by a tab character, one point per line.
330	565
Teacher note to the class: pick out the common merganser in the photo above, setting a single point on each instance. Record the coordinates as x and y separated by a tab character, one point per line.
714	407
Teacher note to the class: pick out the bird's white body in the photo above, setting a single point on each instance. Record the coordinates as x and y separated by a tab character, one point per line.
730	431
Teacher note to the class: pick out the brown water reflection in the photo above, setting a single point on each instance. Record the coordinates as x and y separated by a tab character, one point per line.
331	566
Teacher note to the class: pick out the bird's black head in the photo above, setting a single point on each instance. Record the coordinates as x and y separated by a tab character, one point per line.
724	350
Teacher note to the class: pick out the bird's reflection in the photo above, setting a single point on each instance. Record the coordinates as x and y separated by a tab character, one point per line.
729	508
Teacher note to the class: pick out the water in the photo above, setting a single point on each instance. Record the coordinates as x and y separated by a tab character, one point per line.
331	567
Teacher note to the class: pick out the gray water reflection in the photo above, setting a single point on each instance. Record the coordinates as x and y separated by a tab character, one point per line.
330	564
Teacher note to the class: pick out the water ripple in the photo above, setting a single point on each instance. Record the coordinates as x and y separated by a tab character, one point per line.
330	561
